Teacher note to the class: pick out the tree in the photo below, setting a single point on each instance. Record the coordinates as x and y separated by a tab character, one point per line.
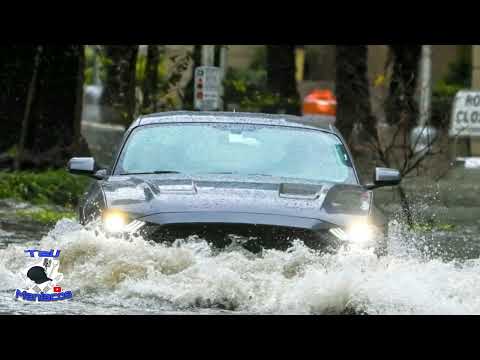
118	97
196	60
281	81
353	92
16	68
49	93
151	80
395	150
401	105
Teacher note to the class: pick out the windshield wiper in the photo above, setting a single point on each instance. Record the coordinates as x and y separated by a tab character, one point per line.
153	172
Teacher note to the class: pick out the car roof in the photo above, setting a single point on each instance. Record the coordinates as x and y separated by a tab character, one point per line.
324	123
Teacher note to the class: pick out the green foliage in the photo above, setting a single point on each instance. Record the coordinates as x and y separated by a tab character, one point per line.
141	65
457	78
445	89
442	102
50	187
95	53
140	69
429	226
246	89
460	71
259	60
12	151
89	65
170	95
45	216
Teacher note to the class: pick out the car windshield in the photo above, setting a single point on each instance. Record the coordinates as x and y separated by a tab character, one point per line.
212	148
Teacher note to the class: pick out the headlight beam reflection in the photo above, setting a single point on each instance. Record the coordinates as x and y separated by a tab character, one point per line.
117	222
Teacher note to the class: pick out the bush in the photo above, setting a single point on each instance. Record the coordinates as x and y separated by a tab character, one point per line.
460	71
89	65
442	101
92	54
45	216
247	89
50	187
241	86
162	69
458	78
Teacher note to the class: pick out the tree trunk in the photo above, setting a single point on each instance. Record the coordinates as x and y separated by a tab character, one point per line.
353	92
118	98
401	105
79	142
50	132
406	211
16	70
53	135
150	82
188	101
281	81
28	108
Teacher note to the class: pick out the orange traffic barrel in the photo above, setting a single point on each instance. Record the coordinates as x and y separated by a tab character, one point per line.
320	102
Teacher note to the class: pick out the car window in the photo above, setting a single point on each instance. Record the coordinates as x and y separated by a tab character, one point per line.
237	148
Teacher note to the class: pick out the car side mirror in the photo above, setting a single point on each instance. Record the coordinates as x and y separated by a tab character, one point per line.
385	177
86	166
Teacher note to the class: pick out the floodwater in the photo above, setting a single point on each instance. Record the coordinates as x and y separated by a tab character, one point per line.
426	273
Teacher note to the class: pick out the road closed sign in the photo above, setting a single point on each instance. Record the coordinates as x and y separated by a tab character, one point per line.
465	120
207	88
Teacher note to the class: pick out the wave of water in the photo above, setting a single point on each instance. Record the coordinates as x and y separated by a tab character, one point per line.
118	276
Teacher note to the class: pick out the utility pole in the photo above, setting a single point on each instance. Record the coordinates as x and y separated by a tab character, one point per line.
223	71
426	85
223	60
208	55
423	136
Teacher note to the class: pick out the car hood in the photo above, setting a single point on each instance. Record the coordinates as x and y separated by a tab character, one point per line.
147	195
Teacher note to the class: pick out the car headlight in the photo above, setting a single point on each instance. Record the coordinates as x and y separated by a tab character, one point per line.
115	222
360	232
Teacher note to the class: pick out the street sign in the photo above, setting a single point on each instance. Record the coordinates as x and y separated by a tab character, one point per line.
465	120
208	82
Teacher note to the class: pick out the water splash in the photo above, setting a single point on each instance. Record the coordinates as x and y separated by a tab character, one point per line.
137	276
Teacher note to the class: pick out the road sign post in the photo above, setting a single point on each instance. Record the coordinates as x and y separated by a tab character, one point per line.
423	136
208	81
465	121
208	55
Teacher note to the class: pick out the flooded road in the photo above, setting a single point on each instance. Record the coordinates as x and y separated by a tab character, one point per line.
426	273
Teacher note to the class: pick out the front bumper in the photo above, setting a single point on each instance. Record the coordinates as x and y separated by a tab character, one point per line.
253	231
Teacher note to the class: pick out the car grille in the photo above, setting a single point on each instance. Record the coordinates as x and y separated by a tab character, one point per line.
253	237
